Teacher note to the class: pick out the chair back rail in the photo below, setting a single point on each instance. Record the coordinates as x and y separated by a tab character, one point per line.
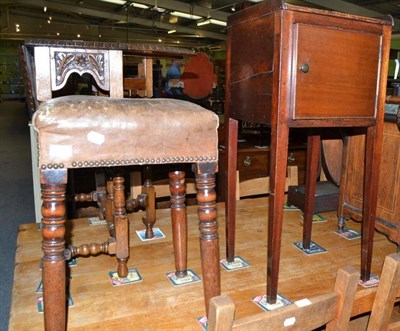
331	309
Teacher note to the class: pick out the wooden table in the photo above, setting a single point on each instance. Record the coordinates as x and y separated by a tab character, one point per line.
290	67
95	299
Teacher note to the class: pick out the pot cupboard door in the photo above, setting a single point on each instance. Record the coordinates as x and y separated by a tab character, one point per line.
335	72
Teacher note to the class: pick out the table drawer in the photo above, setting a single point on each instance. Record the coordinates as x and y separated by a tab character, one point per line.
254	162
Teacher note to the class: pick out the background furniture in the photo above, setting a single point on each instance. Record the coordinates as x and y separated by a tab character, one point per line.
327	187
253	160
388	210
260	185
289	67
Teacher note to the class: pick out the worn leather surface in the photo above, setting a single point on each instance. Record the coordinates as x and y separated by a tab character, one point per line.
85	131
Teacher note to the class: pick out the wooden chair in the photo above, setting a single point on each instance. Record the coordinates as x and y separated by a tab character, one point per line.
87	131
386	294
332	309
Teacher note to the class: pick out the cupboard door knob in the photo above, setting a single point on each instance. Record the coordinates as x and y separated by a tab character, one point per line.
304	68
247	161
291	158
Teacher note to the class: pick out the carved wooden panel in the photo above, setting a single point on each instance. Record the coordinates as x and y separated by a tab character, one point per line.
65	61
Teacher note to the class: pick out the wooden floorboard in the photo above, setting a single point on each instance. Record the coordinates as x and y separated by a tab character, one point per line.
154	304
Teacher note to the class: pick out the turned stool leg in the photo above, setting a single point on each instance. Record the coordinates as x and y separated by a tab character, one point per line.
179	222
150	204
121	227
109	208
53	185
209	243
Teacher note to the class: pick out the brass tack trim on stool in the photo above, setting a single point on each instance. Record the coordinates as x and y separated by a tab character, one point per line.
82	164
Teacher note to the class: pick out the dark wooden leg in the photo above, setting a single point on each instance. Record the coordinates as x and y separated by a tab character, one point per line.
371	178
121	227
209	243
101	192
343	184
278	164
109	208
230	203
150	204
53	184
179	223
313	155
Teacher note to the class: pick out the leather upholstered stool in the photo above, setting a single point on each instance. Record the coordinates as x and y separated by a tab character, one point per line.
86	131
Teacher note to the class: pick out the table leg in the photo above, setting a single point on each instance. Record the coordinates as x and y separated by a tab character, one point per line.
371	177
230	203
278	164
313	156
344	183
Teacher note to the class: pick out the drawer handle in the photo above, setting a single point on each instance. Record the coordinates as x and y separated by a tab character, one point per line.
291	158
247	161
304	68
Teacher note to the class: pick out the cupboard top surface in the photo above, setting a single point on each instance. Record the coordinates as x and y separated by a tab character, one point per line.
268	7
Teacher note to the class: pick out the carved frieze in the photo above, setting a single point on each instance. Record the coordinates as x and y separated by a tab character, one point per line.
67	62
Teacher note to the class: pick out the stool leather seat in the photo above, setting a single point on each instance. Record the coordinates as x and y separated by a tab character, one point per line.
115	131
